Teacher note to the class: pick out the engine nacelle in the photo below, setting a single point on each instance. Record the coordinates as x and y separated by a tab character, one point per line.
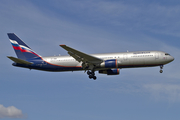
109	64
110	72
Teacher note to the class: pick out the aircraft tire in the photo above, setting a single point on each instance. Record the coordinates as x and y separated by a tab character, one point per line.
88	72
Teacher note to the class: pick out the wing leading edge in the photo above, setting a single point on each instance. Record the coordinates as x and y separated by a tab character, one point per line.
82	57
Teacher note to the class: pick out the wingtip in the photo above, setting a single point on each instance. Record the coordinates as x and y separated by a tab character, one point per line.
62	45
8	56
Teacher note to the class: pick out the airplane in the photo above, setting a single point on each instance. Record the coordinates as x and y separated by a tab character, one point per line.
109	64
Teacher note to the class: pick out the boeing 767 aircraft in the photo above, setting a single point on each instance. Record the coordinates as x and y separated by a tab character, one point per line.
109	63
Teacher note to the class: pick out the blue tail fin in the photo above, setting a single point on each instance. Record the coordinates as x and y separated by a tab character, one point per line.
22	51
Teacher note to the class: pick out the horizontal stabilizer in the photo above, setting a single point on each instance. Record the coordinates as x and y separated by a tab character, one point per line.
20	61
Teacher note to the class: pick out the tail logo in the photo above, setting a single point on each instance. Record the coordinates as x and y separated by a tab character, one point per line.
22	48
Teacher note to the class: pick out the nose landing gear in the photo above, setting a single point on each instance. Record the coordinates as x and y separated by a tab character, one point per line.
91	75
161	67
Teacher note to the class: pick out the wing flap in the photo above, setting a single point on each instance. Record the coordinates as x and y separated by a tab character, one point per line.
20	61
80	56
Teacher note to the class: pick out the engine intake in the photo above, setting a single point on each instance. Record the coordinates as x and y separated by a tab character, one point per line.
109	64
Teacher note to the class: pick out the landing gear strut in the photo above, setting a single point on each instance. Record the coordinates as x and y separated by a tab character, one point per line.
161	67
91	75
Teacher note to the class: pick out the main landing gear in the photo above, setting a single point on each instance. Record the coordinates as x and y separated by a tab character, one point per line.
161	67
91	75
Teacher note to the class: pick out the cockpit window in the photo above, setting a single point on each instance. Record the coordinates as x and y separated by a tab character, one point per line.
167	54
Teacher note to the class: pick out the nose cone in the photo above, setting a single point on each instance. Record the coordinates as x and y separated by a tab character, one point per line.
171	58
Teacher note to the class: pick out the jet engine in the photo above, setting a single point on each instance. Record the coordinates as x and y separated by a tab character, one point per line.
109	64
110	72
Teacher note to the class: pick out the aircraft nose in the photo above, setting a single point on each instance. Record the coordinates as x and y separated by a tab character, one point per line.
171	58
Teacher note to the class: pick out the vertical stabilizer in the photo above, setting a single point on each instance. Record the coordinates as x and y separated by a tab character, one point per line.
22	50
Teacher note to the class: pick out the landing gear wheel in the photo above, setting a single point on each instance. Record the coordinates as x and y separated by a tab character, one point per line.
94	77
91	75
161	67
88	72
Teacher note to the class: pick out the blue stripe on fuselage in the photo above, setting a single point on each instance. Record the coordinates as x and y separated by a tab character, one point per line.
40	64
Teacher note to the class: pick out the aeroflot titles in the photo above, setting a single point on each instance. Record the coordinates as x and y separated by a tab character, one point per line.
141	52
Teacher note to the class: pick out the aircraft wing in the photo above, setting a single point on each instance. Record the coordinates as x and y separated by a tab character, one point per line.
80	56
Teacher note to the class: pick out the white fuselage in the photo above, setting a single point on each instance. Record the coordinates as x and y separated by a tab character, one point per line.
124	60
